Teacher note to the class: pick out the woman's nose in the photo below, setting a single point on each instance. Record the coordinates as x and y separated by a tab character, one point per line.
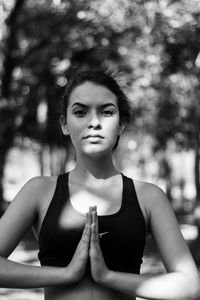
94	121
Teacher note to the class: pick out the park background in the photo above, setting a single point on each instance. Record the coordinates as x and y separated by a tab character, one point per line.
153	49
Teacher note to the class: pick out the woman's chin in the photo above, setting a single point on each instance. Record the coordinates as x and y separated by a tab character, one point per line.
96	150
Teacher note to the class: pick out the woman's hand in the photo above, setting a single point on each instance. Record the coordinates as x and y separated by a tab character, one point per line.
77	267
99	269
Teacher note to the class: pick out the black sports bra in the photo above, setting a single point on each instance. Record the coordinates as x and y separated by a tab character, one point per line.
123	233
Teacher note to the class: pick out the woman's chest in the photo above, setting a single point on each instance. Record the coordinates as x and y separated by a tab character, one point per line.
107	199
122	235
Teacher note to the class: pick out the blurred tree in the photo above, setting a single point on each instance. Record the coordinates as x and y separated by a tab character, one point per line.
178	116
8	110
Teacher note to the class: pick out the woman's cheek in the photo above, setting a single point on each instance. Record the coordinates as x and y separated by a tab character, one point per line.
113	127
74	132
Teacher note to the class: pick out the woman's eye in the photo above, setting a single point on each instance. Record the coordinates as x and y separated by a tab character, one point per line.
107	112
80	113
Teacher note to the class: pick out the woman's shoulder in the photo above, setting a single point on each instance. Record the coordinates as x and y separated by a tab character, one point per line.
41	182
41	185
43	188
150	197
149	194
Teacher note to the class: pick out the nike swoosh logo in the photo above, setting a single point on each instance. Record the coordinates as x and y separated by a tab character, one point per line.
101	234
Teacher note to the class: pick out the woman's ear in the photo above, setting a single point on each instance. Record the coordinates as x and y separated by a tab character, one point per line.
63	124
121	128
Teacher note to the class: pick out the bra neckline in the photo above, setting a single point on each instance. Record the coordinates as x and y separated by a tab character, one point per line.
123	197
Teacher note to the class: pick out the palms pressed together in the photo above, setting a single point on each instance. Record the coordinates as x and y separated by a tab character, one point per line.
89	248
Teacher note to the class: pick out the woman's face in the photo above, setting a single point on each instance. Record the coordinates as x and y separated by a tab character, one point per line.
92	119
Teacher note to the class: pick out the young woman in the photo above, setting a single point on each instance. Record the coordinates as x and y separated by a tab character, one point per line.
92	222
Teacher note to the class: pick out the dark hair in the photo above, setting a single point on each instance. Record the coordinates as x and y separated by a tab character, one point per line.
102	78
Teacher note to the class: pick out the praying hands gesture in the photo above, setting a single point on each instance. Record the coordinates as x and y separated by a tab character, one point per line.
89	248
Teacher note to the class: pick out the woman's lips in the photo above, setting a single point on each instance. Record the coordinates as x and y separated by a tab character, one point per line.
91	136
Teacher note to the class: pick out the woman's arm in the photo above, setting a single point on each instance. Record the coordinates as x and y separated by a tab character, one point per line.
16	275
181	280
17	219
173	285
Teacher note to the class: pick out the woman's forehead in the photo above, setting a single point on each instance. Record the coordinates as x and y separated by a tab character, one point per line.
91	93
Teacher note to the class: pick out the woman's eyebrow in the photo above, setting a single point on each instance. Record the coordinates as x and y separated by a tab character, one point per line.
79	103
102	106
107	104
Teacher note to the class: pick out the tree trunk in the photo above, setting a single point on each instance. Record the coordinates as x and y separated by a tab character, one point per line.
40	157
7	134
195	246
2	162
10	47
196	167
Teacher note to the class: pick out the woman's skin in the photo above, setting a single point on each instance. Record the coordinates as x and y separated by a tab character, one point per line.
95	185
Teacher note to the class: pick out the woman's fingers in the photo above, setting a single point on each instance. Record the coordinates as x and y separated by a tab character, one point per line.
95	218
95	247
96	222
94	233
91	231
84	243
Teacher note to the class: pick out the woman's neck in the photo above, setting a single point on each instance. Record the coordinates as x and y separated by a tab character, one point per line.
100	167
